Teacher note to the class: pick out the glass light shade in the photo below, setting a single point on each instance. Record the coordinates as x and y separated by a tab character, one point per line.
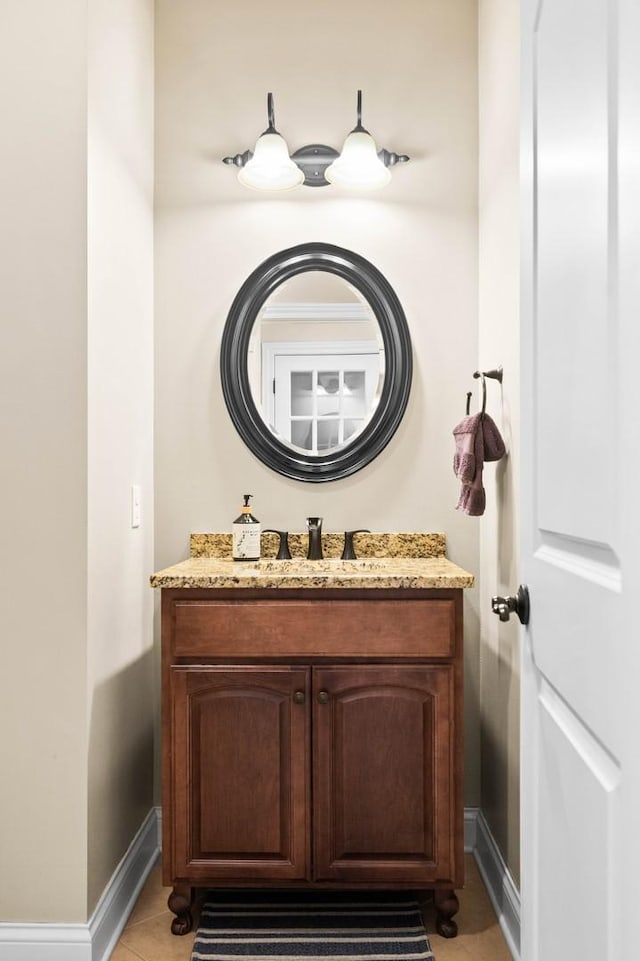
271	167
358	165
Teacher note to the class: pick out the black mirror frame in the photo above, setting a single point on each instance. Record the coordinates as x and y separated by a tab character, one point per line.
394	396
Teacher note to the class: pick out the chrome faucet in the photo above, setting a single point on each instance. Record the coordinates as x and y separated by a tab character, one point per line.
314	552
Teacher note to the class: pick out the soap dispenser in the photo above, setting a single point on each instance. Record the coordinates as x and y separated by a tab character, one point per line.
246	534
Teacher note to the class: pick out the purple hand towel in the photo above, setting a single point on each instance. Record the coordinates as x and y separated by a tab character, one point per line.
477	439
465	457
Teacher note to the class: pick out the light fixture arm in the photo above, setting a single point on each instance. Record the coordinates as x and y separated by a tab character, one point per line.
313	159
242	159
388	158
359	126
271	115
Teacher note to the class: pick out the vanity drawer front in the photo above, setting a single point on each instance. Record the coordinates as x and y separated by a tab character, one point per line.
315	628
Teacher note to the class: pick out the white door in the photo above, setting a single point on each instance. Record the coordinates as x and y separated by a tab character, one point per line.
581	479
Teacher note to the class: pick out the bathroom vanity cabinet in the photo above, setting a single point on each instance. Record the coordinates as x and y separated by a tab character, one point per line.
312	738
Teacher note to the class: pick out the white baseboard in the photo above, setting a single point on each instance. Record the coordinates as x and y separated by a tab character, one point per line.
45	942
120	895
503	892
95	940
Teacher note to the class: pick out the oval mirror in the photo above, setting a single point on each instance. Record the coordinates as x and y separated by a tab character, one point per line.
316	362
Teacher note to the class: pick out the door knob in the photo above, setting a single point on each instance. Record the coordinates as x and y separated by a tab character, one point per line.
518	604
298	697
323	697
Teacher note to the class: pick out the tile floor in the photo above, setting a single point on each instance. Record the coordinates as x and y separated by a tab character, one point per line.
147	935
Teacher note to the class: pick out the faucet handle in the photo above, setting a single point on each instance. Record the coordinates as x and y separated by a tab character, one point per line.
348	552
284	554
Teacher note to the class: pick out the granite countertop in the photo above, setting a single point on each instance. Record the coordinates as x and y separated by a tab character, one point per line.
368	572
391	560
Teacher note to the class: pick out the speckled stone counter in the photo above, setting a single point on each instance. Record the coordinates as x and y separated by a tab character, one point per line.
366	545
387	572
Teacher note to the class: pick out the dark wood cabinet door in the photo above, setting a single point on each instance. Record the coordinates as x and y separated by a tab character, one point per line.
384	779
240	757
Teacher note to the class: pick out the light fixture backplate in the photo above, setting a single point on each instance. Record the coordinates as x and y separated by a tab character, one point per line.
313	160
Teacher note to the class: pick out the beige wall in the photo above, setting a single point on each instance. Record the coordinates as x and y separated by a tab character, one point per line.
416	64
43	491
76	429
75	381
120	430
499	251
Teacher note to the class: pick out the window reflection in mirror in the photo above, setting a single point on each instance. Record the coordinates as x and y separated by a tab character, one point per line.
316	362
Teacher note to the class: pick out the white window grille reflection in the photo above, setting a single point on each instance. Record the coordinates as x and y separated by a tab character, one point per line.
321	403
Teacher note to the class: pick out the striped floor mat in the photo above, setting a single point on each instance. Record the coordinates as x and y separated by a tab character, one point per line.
276	927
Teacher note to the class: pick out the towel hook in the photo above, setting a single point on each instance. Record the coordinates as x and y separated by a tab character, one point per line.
494	374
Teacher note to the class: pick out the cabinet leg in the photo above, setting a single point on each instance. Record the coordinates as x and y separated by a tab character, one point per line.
447	905
179	902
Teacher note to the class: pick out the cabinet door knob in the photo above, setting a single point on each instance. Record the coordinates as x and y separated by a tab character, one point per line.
298	697
323	697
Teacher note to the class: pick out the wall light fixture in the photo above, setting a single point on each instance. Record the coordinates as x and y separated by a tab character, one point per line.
270	166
